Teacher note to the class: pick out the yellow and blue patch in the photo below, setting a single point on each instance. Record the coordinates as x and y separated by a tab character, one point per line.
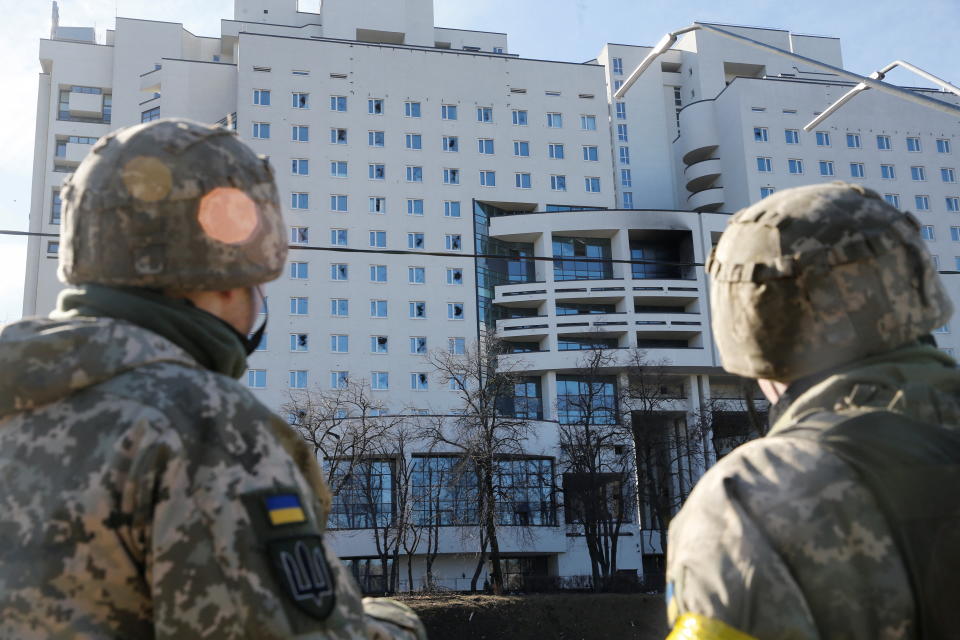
285	508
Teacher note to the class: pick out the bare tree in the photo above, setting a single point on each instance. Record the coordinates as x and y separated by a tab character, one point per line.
485	427
597	462
735	413
342	425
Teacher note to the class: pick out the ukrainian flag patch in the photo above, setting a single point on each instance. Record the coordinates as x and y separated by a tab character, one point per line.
285	508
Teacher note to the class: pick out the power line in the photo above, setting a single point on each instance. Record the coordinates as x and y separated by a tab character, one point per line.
458	254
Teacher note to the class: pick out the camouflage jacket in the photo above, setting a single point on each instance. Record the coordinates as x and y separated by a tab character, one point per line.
147	497
781	539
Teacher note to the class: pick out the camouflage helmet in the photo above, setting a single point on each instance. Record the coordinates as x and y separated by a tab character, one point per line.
172	204
815	277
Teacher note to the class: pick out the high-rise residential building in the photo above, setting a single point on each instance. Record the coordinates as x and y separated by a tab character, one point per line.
487	190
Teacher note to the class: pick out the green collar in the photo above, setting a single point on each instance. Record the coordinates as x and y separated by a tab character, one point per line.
212	342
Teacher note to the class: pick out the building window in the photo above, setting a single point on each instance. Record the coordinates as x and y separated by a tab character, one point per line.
451	209
764	165
338	169
257	378
591	153
419	382
378	205
300	100
300	166
339	307
261	97
555	151
622	135
485	114
522	180
451	144
414	174
413	141
261	130
955	234
338	136
411	109
488	178
792	136
823	139
451	176
853	141
520	117
380	381
555	120
921	203
416	275
299	306
626	177
339	379
299	342
887	172
339	343
453	242
457	346
378	308
417	309
628	200
299	270
338	203
583	400
53	248
418	345
301	133
375	106
617	66
445	493
592	185
883	143
379	344
298	380
448	111
521	149
826	168
415	240
56	207
455	311
624	155
766	191
760	134
943	145
338	103
558	183
856	170
588	123
150	115
455	276
913	145
918	174
485	146
892	199
569	262
378	239
621	110
299	235
339	271
378	273
948	175
377	172
414	207
795	166
375	138
953	204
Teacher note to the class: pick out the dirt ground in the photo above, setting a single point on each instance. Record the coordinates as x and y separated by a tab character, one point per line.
542	617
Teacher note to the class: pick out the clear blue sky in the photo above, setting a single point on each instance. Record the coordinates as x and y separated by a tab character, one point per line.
924	32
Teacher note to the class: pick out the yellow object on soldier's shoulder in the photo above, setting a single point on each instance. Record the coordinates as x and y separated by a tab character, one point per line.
692	626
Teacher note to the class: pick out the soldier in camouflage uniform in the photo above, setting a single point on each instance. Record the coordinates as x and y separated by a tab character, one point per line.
147	494
843	522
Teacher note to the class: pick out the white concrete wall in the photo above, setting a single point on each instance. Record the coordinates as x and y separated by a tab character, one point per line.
414	18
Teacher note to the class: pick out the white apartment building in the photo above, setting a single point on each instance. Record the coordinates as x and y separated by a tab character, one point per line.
388	134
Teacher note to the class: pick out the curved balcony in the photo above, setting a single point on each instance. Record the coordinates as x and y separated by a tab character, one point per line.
702	175
707	200
699	139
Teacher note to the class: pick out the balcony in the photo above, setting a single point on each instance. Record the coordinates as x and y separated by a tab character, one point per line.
707	200
86	105
699	138
702	175
75	153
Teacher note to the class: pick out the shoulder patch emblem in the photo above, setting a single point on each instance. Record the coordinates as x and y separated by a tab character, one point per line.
302	568
284	508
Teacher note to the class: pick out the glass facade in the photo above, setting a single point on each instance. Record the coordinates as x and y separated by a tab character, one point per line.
566	266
